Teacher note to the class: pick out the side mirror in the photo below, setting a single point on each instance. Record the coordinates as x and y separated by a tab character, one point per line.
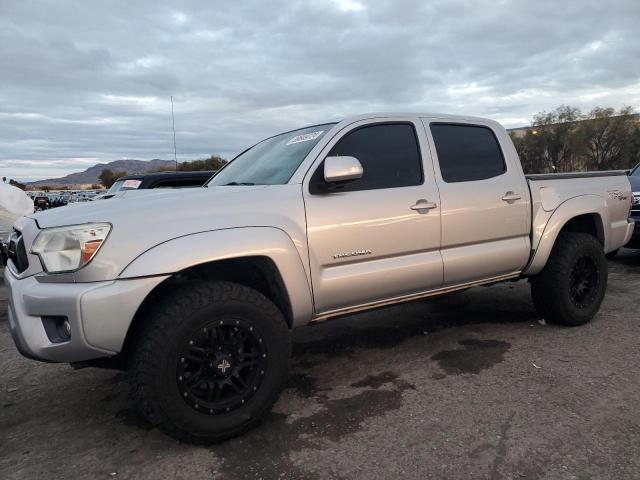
341	170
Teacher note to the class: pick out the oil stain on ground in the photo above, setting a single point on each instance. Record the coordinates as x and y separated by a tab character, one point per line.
477	355
265	452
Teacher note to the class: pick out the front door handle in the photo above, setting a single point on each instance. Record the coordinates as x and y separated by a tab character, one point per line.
423	204
511	197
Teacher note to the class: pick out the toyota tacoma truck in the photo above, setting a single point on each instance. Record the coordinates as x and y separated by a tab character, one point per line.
196	291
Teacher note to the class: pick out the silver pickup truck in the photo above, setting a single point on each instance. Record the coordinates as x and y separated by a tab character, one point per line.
195	291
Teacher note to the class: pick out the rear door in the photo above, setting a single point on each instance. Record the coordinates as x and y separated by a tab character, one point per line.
368	241
484	199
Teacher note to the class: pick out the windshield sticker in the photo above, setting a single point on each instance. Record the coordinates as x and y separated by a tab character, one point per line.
305	137
131	183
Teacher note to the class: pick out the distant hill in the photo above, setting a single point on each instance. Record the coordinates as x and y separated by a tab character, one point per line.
91	174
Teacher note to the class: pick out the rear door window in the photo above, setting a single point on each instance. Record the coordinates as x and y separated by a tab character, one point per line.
467	152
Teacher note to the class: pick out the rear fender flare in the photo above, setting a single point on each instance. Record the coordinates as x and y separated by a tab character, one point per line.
574	207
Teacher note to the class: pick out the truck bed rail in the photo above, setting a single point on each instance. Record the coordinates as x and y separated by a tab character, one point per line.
559	176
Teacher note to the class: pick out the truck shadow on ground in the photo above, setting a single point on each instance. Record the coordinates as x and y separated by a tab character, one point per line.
318	408
628	259
390	327
318	419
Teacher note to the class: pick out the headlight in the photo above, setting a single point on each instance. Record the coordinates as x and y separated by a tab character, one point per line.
66	249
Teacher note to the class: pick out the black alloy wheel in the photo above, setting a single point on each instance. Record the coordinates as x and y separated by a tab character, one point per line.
583	282
221	367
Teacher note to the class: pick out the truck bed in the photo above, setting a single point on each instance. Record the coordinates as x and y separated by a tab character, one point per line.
550	191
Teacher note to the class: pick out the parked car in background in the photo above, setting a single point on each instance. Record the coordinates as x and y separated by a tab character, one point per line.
157	180
197	291
634	179
41	203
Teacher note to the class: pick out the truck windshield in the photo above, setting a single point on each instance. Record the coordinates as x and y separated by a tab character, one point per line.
121	185
272	161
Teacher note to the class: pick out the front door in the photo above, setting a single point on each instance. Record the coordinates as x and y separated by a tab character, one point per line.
378	237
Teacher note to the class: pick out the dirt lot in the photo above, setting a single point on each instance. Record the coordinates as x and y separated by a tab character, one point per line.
466	386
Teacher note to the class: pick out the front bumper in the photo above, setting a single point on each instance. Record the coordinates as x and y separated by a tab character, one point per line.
99	314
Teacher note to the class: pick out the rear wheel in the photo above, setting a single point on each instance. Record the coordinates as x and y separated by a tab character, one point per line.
211	361
571	287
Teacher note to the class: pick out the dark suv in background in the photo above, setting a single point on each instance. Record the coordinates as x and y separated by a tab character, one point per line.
634	179
146	181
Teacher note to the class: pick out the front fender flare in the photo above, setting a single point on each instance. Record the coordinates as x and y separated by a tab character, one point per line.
198	248
574	207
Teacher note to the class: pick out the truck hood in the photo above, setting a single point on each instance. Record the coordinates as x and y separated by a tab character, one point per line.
147	206
143	219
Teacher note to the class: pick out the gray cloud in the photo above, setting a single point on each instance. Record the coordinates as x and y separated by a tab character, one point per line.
90	81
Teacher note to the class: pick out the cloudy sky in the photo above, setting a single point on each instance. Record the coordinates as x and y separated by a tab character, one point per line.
83	82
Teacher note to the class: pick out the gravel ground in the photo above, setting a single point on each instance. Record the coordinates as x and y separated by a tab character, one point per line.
466	386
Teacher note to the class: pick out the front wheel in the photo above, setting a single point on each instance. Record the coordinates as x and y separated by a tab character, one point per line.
571	287
211	361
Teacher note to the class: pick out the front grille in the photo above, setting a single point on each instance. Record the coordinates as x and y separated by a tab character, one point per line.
16	251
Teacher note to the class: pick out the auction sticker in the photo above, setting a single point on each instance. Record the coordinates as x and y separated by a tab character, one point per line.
131	183
305	137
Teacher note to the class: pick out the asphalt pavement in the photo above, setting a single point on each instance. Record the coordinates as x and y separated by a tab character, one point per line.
468	386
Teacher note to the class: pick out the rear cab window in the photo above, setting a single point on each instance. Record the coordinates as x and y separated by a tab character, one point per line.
467	152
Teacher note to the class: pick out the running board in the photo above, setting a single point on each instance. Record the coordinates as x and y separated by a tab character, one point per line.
415	296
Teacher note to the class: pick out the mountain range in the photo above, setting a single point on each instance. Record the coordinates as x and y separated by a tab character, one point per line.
92	174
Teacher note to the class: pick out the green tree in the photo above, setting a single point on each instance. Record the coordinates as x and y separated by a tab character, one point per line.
555	137
108	177
213	162
607	136
15	183
633	148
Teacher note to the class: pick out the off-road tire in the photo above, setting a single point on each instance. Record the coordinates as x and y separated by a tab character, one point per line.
168	326
551	289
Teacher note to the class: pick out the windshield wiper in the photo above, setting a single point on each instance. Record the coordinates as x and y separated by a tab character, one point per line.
239	183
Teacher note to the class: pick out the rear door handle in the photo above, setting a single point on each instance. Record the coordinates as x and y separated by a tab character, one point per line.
511	197
423	204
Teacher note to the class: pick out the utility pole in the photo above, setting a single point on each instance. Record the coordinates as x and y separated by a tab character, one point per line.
173	126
